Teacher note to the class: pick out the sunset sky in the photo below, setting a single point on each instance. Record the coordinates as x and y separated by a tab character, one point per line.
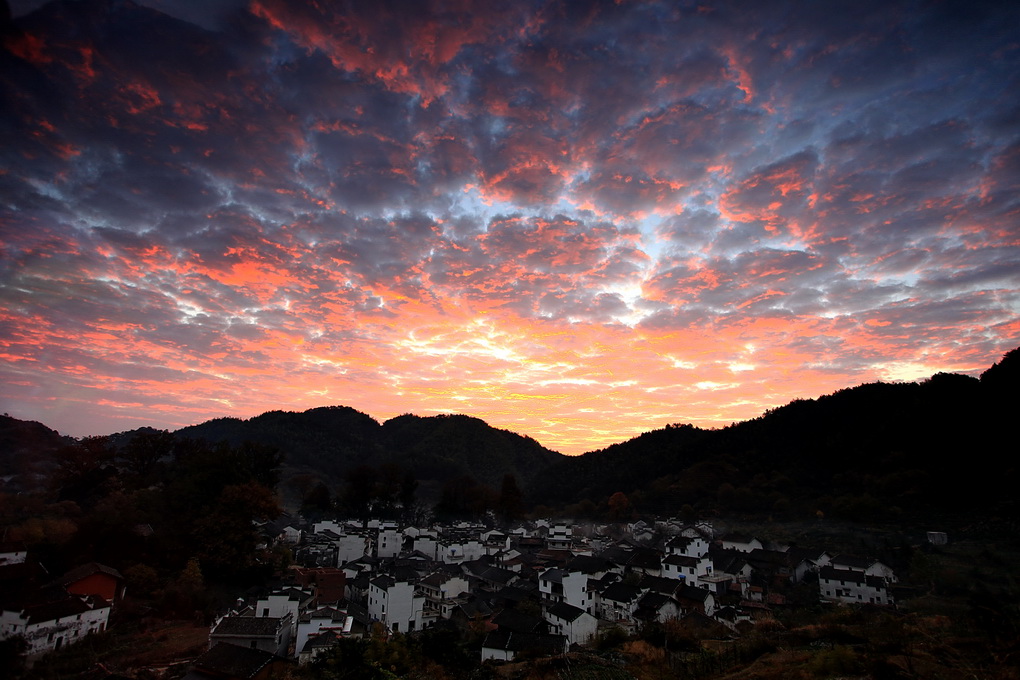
577	221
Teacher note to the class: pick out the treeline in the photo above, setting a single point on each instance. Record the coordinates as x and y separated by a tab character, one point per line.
326	445
870	453
174	516
389	492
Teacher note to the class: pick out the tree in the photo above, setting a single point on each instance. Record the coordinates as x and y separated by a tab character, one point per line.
142	456
225	538
84	456
186	593
316	501
85	471
346	660
619	507
510	501
408	489
464	497
360	490
142	580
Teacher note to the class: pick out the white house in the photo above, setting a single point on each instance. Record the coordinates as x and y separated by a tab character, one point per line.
844	585
688	546
577	625
281	603
268	633
865	565
441	591
503	645
318	622
389	541
395	604
691	598
558	538
350	547
12	553
327	525
619	602
556	586
47	627
454	550
683	567
740	542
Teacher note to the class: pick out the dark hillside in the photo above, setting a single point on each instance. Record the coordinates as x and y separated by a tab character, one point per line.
864	453
329	440
27	450
447	446
867	453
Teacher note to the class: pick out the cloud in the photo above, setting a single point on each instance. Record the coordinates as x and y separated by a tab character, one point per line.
575	220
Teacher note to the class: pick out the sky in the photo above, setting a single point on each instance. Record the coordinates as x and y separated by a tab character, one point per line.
578	221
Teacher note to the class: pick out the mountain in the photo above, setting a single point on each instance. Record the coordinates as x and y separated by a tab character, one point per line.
869	452
447	446
27	451
330	441
930	449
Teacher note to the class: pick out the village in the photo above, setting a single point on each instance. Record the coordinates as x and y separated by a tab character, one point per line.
538	588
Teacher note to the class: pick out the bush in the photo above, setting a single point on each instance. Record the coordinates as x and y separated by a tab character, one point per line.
834	662
610	639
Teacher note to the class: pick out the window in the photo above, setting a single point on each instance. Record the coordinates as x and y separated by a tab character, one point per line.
265	612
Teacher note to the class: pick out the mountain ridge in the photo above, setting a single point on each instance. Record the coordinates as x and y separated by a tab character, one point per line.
898	446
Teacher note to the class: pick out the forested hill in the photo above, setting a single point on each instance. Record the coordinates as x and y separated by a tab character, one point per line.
329	442
25	450
870	452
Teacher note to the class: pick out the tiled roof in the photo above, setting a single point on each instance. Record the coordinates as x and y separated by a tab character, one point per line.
87	570
567	612
520	642
621	592
852	561
51	611
248	626
234	661
511	619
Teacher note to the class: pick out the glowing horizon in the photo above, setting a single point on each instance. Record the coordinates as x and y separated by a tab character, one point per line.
578	222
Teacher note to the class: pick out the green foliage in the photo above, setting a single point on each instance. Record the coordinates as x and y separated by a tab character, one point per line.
347	660
224	538
444	647
142	580
611	638
836	662
186	593
620	508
